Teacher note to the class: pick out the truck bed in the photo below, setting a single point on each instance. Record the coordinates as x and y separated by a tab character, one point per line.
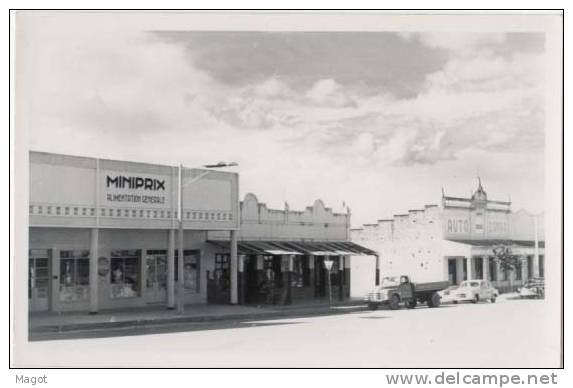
431	287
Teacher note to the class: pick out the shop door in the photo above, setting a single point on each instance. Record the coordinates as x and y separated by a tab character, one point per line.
253	292
156	285
452	272
39	280
319	277
218	281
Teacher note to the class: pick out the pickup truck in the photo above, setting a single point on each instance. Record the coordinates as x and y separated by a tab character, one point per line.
394	292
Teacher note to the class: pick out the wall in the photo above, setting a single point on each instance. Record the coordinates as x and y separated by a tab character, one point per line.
57	239
71	191
316	222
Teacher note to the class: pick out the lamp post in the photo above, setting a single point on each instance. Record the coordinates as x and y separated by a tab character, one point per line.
180	256
328	266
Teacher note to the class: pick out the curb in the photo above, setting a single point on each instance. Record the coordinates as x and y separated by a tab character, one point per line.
197	319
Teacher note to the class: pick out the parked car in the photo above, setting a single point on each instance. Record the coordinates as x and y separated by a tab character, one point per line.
475	291
395	291
533	288
448	295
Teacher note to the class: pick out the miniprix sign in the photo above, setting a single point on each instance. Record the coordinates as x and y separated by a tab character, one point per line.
145	190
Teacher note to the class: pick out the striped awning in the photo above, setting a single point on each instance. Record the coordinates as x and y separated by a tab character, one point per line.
315	248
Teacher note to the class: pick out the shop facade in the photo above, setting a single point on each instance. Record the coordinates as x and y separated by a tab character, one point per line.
103	233
282	253
454	241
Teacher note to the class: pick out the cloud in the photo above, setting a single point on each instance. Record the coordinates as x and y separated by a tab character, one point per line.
327	92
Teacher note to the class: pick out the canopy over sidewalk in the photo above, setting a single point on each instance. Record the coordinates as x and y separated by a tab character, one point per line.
316	248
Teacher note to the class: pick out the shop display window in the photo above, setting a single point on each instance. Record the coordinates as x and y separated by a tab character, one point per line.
125	273
74	275
190	269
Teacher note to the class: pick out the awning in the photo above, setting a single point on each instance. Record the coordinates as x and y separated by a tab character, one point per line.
315	248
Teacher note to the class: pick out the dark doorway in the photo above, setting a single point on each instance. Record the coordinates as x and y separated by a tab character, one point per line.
452	271
218	281
319	277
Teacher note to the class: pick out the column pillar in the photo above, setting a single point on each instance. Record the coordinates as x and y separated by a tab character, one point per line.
94	246
459	270
311	279
180	269
289	279
524	264
485	267
377	278
347	275
241	278
171	270
469	262
536	249
341	279
234	269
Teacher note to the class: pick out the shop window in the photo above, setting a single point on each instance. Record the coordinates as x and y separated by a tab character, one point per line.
38	280
125	273
74	275
191	274
542	266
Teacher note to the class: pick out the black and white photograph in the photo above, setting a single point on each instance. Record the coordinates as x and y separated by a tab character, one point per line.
287	189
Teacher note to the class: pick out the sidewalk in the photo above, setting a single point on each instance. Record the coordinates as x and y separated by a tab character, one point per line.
51	322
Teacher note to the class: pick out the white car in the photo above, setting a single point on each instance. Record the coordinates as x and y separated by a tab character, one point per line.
475	291
448	295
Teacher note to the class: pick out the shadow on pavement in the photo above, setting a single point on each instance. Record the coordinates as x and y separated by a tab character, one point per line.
153	329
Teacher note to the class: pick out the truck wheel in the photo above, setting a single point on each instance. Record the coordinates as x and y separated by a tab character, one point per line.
395	302
434	300
493	300
373	306
411	303
475	299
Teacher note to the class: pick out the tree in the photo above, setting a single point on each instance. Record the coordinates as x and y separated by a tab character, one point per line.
508	262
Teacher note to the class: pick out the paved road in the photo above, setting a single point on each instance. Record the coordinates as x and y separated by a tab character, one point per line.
509	333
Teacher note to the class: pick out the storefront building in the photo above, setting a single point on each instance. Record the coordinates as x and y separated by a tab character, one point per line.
105	234
282	253
454	241
102	233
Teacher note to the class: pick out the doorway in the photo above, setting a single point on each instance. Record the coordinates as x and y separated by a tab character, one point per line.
319	277
156	282
39	280
218	281
452	271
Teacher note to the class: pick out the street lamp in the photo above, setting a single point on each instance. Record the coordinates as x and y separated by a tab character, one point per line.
180	264
328	265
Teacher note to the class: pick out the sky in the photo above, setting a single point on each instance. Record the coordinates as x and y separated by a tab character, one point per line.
378	121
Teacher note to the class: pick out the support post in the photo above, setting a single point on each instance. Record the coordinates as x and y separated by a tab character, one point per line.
536	249
171	270
459	270
470	268
94	244
234	268
485	267
180	270
241	279
377	278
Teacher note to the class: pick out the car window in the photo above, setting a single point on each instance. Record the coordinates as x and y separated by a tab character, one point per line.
474	284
